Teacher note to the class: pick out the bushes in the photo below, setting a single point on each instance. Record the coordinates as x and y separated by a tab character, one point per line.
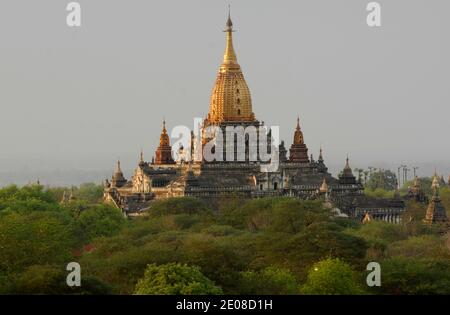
287	215
223	252
180	205
38	237
175	279
411	276
269	281
33	238
51	279
420	247
263	246
331	277
99	220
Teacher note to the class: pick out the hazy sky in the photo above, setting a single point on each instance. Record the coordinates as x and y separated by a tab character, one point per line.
81	98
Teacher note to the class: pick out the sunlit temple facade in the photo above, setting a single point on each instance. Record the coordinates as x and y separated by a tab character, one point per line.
296	172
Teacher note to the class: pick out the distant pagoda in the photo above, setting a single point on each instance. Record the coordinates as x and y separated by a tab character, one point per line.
298	151
436	213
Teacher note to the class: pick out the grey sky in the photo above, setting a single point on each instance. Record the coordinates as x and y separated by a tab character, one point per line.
77	99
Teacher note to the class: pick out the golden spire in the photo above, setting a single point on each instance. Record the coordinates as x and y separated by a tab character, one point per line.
229	56
435	183
320	154
298	134
230	97
118	169
164	137
347	164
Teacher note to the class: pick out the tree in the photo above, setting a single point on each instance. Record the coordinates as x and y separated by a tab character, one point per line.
384	179
269	281
26	199
420	247
51	279
412	276
283	214
89	192
175	279
379	235
331	277
180	205
316	242
99	220
33	238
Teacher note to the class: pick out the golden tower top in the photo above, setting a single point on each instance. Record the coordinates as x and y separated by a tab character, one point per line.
164	140
229	57
298	134
230	98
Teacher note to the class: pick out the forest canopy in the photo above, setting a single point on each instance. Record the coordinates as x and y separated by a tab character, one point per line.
186	246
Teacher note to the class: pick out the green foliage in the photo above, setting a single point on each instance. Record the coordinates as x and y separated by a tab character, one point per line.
384	179
378	235
51	279
269	281
331	277
38	237
260	246
425	184
99	220
33	238
89	192
286	215
380	230
411	276
378	193
222	250
180	205
26	199
321	240
175	279
420	247
444	194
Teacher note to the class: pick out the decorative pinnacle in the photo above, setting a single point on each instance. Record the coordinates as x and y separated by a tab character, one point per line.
229	22
164	126
118	170
230	55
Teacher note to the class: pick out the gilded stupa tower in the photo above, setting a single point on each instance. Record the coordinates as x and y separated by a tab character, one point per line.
230	98
164	151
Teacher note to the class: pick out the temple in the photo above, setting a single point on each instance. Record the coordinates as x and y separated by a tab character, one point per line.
238	165
436	213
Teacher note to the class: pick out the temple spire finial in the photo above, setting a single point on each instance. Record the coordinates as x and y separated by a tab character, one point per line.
230	56
347	164
118	169
229	22
320	154
141	157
